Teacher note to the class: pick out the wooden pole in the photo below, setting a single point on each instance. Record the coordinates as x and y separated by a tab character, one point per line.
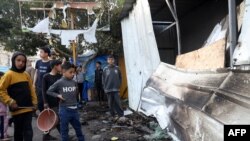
74	51
20	12
74	44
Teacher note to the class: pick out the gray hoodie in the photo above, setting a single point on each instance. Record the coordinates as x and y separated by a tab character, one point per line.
111	79
67	88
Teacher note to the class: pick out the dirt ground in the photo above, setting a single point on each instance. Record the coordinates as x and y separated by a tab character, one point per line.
97	125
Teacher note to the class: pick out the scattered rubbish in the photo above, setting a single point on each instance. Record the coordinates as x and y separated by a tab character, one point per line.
104	121
127	112
114	138
143	129
84	123
103	130
159	134
132	127
122	119
96	137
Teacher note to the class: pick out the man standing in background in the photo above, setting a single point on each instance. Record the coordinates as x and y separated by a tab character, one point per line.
98	82
111	80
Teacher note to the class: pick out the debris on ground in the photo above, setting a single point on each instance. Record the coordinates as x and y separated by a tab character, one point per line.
100	126
158	134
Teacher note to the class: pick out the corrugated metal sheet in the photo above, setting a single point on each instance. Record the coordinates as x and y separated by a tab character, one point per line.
197	103
242	51
140	50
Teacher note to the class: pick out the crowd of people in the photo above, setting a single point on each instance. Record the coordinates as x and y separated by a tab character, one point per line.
55	84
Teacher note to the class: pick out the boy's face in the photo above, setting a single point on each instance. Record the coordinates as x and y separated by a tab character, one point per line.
69	73
20	62
43	54
97	65
111	61
58	68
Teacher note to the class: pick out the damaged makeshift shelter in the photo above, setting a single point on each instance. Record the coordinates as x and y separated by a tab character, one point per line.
187	64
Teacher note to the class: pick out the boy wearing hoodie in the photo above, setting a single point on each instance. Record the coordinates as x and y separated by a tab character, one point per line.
66	90
17	91
111	81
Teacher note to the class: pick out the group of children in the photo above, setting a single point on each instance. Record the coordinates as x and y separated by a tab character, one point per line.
53	87
17	92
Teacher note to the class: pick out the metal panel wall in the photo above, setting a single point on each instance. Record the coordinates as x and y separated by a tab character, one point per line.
140	50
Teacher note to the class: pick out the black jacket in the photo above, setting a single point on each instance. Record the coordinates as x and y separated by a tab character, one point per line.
98	78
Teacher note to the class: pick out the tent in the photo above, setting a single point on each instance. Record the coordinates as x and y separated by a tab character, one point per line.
4	68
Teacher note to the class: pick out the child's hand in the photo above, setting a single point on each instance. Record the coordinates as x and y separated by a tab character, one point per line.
13	106
60	97
45	105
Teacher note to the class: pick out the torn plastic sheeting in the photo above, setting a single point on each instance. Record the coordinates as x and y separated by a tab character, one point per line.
41	27
127	112
67	35
87	53
159	134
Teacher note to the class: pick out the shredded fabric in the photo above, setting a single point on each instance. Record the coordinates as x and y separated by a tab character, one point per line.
89	35
42	26
67	35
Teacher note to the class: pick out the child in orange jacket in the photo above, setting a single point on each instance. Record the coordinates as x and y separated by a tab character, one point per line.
17	91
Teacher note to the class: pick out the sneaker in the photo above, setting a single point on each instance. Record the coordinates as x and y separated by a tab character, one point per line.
45	132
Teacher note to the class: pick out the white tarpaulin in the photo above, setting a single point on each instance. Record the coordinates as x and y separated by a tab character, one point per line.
140	50
67	35
42	26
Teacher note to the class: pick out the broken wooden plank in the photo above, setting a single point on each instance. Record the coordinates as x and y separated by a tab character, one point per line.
78	5
208	57
40	9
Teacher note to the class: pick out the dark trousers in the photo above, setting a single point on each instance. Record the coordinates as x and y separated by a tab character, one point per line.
100	93
56	110
2	126
71	116
23	127
40	103
114	103
80	89
85	90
